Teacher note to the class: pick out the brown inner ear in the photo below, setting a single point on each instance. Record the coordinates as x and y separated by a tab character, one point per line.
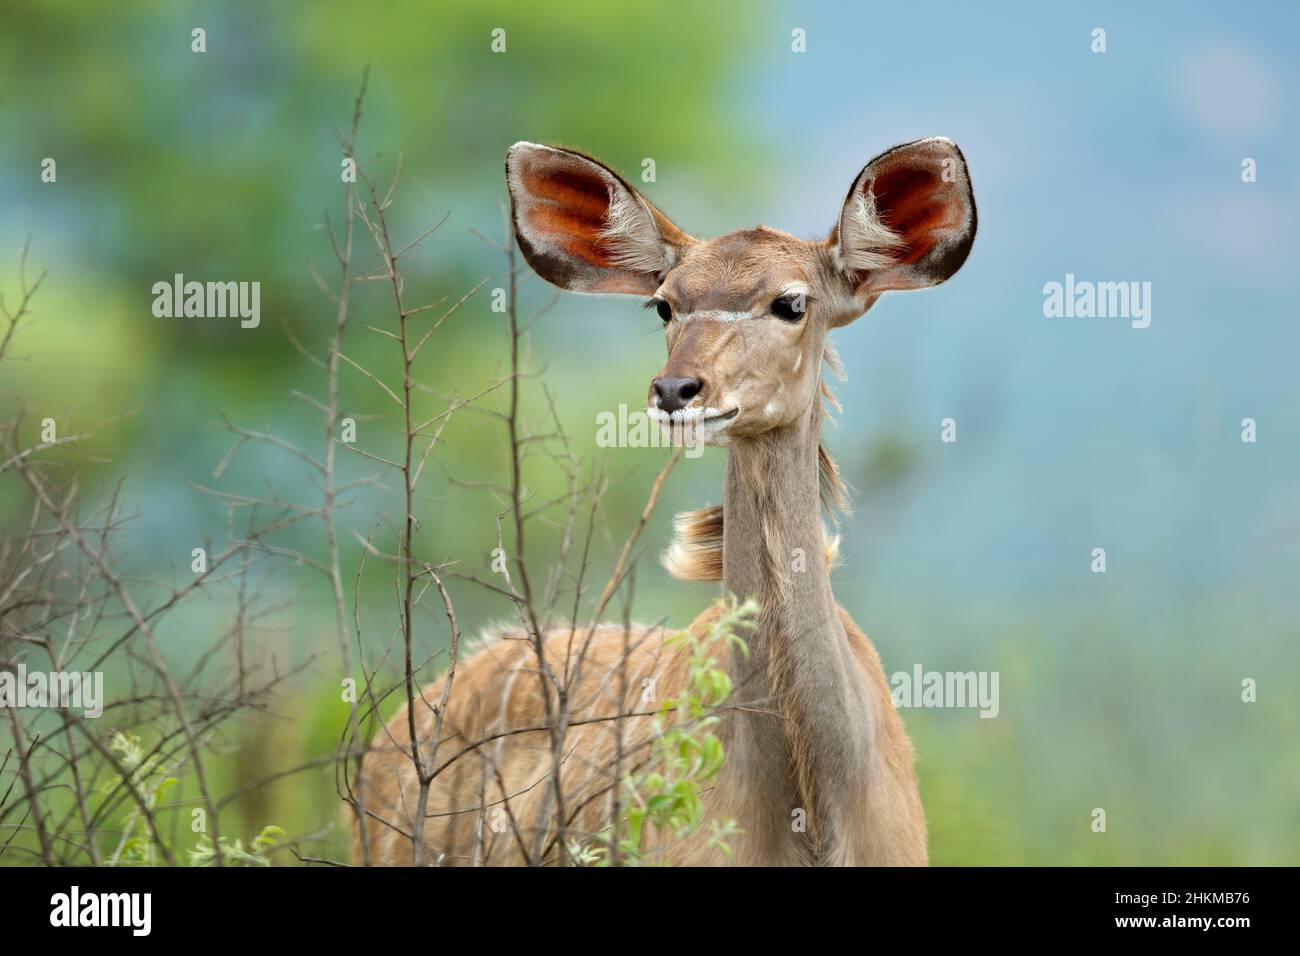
571	211
918	205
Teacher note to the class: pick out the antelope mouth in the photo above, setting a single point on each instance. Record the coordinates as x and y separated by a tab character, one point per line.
695	427
692	416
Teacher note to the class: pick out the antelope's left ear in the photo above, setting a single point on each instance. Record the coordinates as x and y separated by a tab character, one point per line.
908	221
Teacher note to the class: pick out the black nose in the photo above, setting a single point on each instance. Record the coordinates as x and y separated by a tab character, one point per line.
675	393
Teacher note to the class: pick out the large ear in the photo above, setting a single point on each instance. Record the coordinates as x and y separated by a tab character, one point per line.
909	220
582	227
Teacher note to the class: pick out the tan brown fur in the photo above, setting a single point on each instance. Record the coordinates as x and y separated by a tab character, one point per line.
497	691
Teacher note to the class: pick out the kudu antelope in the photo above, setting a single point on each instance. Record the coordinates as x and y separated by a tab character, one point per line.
746	318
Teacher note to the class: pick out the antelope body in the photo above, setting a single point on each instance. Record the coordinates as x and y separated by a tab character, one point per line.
813	735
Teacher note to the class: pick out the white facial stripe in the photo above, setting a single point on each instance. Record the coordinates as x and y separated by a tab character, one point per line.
715	315
793	287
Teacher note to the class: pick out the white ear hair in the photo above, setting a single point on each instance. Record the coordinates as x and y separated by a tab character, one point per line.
865	242
631	236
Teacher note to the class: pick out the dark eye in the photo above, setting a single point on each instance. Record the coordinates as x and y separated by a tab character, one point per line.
790	308
665	311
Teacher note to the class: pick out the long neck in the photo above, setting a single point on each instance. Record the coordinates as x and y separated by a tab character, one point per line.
805	725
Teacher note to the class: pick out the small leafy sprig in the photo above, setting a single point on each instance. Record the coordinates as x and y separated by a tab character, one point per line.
688	754
233	852
153	780
148	776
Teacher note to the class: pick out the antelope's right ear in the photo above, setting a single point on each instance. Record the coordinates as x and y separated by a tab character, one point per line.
581	227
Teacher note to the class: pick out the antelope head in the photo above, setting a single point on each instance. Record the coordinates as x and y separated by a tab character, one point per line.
745	315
